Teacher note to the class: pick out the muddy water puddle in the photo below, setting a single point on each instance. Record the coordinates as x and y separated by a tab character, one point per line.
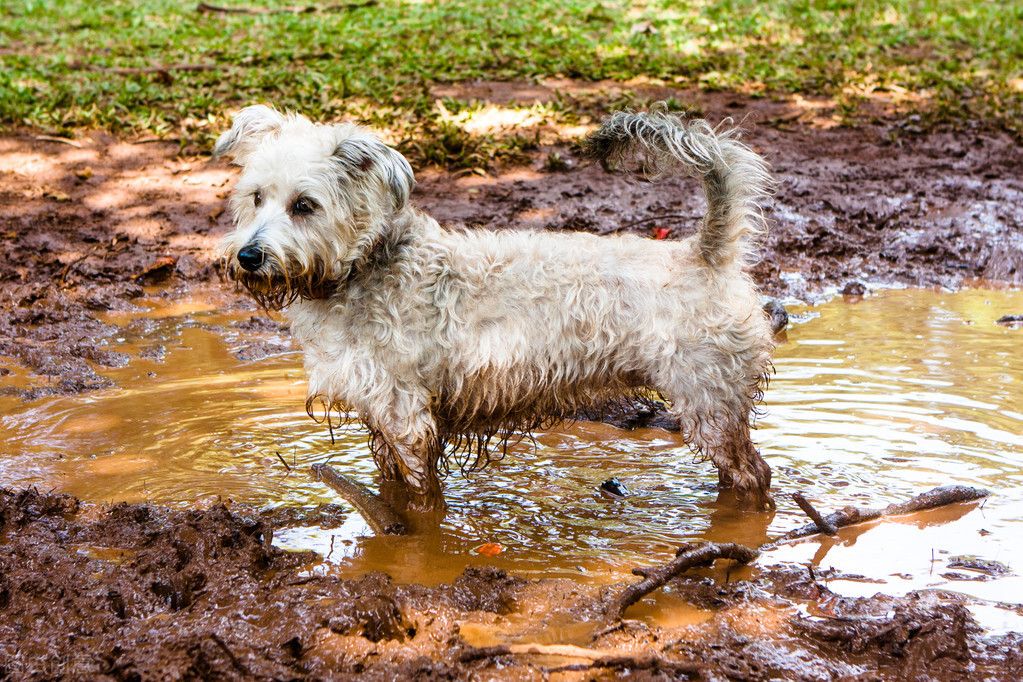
874	400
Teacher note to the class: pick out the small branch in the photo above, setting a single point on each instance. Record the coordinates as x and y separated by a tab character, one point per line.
308	9
936	497
151	140
655	577
67	269
377	513
563	650
814	515
286	465
849	516
239	666
60	140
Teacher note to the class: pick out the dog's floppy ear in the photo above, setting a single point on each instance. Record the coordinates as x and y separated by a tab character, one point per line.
249	126
398	175
369	156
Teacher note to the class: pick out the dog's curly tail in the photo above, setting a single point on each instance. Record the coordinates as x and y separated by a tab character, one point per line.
735	178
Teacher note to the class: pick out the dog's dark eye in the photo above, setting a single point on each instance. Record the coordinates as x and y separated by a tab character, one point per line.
257	198
303	206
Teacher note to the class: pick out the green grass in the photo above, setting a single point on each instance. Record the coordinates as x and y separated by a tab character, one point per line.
948	60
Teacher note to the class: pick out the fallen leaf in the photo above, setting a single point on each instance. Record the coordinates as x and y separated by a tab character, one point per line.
159	270
56	194
489	549
662	232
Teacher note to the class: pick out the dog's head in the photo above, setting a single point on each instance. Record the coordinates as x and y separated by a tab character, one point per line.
312	201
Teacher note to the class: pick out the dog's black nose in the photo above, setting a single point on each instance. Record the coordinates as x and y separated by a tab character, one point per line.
251	256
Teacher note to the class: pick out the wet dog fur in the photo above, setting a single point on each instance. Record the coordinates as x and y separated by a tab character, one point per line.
453	341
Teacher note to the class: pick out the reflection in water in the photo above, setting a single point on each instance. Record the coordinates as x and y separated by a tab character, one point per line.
873	401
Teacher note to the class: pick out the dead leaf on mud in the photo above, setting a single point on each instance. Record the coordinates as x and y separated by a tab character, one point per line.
56	194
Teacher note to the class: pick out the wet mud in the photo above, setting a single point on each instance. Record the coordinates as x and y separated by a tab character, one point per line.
137	591
133	591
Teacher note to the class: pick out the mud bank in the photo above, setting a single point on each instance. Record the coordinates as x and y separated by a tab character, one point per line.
142	592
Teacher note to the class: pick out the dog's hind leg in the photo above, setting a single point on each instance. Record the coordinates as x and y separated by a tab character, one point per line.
417	465
725	440
740	466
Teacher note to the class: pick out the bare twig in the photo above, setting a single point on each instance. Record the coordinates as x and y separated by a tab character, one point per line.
307	9
67	269
814	515
936	497
151	140
689	557
286	465
377	513
564	650
234	659
849	516
60	140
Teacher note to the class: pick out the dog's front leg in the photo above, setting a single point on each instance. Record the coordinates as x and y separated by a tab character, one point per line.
406	448
417	466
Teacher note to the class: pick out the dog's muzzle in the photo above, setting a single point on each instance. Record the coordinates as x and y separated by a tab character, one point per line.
251	256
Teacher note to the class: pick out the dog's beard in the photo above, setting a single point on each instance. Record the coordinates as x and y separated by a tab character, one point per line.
274	289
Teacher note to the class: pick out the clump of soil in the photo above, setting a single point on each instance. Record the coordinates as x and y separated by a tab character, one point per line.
134	591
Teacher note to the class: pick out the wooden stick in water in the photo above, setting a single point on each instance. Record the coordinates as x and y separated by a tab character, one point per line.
936	497
377	513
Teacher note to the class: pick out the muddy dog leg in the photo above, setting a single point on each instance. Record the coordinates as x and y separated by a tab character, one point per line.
727	443
740	467
408	450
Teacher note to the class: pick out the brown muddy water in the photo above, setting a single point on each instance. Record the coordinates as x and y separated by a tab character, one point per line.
874	400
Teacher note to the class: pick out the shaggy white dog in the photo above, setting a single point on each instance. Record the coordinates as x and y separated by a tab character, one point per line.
449	340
